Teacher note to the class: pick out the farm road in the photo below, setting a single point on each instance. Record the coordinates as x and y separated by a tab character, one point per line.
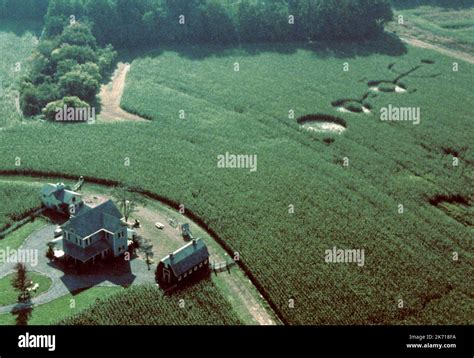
445	51
111	96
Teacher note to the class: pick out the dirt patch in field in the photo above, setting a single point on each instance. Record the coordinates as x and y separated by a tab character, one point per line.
323	123
111	96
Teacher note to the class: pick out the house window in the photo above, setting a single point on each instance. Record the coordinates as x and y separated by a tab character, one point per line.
190	271
205	262
185	274
200	265
195	268
180	278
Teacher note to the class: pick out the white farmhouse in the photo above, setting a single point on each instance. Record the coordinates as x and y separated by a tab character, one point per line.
61	198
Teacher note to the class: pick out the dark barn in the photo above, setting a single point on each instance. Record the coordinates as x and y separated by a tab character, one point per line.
188	261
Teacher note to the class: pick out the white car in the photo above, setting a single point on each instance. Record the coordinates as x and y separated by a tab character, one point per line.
160	226
58	232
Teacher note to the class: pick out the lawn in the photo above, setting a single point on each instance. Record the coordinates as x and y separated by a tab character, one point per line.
16	238
408	255
9	296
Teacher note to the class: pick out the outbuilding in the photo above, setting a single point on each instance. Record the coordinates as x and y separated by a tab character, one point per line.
190	260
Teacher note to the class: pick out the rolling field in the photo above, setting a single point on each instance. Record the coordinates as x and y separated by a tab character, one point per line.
408	255
147	305
452	27
17	201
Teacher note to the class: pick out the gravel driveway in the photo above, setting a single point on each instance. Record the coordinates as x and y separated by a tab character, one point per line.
116	273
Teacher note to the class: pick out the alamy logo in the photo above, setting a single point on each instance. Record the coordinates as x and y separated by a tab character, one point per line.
72	114
346	256
237	161
37	341
16	256
393	113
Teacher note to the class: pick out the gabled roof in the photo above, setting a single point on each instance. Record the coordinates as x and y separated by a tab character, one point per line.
103	217
60	192
185	258
48	189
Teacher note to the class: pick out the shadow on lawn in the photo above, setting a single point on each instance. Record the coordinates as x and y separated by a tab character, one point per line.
384	44
78	278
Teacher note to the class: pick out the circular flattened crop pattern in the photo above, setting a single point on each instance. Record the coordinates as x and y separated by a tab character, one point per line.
322	123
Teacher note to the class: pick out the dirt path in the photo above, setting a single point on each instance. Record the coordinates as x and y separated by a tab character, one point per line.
111	96
445	51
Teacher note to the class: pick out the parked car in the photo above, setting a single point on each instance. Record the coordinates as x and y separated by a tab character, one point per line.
58	232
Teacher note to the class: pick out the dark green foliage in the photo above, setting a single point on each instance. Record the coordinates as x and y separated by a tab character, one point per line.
80	84
23	9
154	22
50	110
21	283
68	65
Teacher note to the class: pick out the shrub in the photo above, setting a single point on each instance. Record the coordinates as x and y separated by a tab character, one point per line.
50	111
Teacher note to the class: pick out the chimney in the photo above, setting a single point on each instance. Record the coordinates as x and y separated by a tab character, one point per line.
171	256
194	242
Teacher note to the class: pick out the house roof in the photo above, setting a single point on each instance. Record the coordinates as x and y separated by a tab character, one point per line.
84	254
48	189
89	221
187	257
60	192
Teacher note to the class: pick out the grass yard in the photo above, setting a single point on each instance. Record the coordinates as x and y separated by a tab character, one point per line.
408	255
9	296
16	238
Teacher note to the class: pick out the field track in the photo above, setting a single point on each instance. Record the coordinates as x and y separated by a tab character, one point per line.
254	306
111	96
445	51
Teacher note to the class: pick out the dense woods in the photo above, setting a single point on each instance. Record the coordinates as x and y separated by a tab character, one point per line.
70	65
153	22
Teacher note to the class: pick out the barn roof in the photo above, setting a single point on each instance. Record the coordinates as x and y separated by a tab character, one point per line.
103	217
188	256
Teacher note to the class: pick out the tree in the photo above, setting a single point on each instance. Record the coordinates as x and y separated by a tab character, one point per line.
50	251
51	109
78	83
127	200
22	283
79	34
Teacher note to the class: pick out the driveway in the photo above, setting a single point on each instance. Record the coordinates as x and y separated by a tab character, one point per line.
65	281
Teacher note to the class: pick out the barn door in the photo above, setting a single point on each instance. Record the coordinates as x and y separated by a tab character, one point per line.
166	275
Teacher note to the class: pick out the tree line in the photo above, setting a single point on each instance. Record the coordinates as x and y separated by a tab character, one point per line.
125	23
